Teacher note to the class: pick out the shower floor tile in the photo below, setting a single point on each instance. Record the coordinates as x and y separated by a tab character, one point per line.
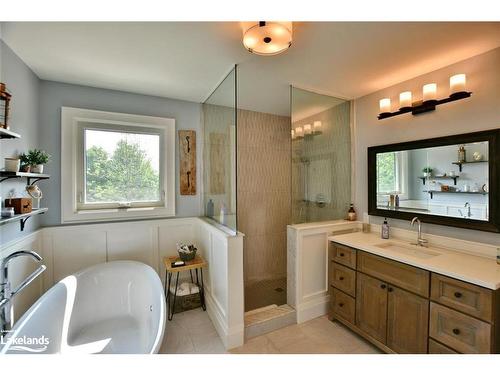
264	293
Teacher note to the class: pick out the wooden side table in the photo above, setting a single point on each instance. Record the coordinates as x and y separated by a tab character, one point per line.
196	264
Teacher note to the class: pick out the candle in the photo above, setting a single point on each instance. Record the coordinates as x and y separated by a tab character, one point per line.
457	83
405	99
293	134
299	132
385	105
429	92
317	126
307	129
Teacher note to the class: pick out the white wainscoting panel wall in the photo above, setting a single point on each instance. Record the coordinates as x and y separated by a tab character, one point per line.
68	249
307	266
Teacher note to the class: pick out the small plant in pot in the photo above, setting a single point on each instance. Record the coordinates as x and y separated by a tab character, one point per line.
25	163
427	171
37	159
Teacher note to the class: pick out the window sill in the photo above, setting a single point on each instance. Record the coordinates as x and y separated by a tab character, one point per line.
117	214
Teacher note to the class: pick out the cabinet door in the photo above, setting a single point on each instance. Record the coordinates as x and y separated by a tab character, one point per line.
371	307
407	321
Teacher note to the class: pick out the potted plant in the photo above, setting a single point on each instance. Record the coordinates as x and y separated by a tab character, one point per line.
427	171
37	158
25	163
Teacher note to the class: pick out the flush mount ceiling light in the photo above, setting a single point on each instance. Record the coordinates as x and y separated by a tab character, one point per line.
267	38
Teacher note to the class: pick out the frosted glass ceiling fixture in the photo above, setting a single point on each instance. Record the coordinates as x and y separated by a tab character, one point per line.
267	38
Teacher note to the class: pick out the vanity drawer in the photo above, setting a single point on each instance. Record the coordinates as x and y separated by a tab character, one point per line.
343	278
459	331
438	348
413	279
468	298
343	305
344	255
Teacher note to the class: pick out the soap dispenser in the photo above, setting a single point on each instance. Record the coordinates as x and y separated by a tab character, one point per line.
385	230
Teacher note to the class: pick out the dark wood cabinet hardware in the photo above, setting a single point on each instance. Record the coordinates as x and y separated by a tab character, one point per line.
458	294
456	331
383	286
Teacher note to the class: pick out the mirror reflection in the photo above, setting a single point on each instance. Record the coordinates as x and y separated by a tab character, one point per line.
445	181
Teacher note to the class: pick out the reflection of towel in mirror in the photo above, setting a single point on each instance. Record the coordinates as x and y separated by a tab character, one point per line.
184	289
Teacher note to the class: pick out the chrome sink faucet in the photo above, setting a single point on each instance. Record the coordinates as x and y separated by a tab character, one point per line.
420	241
6	293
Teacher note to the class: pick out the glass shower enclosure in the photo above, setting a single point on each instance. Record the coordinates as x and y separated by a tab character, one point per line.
321	156
219	153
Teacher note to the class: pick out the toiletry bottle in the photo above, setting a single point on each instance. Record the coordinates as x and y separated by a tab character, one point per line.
461	154
385	230
351	214
223	212
391	199
396	200
210	208
498	255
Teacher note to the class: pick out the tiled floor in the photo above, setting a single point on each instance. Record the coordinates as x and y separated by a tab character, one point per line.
192	332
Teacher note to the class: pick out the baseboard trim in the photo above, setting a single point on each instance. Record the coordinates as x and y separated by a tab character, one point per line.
231	338
312	309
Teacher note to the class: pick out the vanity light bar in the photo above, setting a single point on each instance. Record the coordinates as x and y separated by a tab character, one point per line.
429	102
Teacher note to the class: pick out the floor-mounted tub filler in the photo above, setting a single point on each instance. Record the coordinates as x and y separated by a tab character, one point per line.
115	307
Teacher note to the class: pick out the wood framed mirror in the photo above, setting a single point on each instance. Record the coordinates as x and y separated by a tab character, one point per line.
452	180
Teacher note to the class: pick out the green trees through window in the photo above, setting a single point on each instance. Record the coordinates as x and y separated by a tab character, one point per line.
386	173
125	175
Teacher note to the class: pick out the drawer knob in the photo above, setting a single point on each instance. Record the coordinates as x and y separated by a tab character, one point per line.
341	304
341	278
341	254
390	289
383	286
456	331
458	294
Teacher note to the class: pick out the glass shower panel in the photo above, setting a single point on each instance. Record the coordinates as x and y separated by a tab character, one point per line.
321	157
219	153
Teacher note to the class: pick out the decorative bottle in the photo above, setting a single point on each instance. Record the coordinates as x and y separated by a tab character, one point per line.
461	154
351	214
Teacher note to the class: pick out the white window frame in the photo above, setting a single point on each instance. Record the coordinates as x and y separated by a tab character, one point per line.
401	177
73	121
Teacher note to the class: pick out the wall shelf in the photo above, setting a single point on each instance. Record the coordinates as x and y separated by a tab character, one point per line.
31	177
432	192
460	163
6	134
23	217
454	178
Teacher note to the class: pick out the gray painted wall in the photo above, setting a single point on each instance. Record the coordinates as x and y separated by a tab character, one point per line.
54	95
23	85
479	112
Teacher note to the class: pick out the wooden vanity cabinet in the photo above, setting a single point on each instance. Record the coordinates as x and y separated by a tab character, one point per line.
371	307
393	316
406	309
407	321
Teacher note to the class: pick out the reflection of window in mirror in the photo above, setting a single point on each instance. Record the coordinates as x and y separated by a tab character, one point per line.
392	176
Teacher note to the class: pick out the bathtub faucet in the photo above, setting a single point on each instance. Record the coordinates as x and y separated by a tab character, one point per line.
6	293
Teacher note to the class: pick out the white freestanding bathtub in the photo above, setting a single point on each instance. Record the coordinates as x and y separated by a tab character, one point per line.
115	307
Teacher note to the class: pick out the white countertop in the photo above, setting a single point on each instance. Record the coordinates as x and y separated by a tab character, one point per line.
474	269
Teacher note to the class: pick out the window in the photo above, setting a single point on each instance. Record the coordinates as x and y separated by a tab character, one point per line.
392	174
116	166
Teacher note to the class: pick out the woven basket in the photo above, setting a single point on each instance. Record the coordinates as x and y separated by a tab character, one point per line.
186	257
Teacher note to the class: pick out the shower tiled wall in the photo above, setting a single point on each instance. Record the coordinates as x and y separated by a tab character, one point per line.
263	198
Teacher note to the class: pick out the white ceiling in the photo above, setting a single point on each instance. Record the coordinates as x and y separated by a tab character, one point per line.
186	60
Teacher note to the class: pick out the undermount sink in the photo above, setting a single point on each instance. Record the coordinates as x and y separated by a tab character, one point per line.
411	250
